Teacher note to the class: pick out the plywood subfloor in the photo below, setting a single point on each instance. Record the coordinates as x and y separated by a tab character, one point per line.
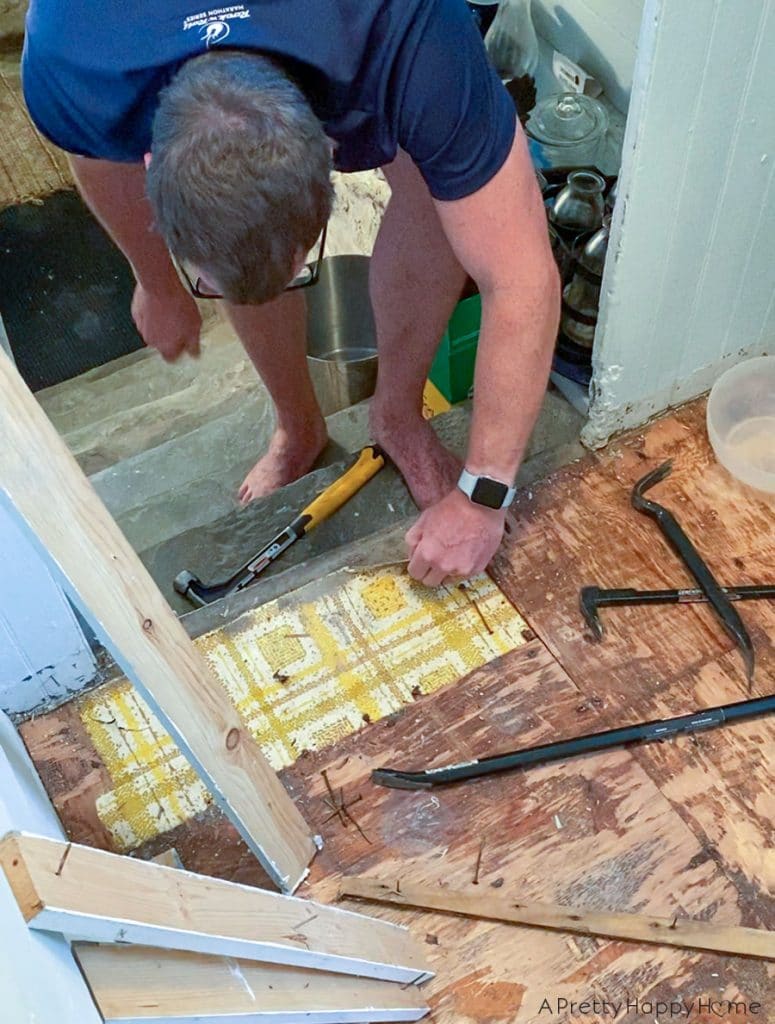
684	827
301	672
657	662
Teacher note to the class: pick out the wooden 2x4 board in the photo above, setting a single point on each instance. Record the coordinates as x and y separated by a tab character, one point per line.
95	896
82	544
149	986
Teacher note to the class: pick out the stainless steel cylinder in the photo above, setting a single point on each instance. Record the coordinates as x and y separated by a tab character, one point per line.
341	337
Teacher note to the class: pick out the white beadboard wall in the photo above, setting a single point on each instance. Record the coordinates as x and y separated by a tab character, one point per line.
689	285
44	657
600	35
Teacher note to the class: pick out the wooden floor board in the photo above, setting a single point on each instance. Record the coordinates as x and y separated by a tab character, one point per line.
681	827
579	528
595	832
94	896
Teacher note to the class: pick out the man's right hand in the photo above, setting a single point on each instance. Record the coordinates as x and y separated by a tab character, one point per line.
168	321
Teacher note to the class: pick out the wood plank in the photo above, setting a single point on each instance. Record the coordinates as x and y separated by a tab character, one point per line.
662	931
82	543
89	895
579	528
149	986
594	832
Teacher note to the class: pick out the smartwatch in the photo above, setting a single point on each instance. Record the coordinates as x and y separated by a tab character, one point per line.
483	490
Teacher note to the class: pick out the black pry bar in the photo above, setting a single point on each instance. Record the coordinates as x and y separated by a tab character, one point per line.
591	598
589	744
694	562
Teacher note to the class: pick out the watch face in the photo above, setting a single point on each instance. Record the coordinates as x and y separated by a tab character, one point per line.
491	493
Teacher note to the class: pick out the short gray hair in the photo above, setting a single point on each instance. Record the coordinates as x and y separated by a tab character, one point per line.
240	173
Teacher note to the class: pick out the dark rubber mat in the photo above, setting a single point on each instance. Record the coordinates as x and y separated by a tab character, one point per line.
65	291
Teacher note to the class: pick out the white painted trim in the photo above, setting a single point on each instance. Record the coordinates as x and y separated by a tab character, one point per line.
598	430
80	927
40	983
364	1016
689	282
140	984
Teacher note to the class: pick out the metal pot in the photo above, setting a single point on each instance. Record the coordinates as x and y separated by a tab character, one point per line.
341	336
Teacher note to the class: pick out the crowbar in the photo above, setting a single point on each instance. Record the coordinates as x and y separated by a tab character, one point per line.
591	599
588	744
694	562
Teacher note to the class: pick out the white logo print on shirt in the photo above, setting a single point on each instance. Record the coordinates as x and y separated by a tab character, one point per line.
214	32
213	24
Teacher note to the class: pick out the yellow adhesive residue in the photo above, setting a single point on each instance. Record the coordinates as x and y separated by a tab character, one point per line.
301	678
155	787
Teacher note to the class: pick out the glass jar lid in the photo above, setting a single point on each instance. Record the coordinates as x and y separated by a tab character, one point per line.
566	119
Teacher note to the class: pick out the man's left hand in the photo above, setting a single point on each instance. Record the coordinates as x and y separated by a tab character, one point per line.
454	538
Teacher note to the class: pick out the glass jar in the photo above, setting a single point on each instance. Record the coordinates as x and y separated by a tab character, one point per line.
581	205
581	297
569	129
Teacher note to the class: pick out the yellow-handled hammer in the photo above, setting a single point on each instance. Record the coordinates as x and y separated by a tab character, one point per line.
368	463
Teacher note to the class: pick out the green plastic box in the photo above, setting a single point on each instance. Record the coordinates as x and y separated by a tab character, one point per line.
452	370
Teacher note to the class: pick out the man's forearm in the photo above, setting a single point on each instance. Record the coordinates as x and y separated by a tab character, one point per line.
115	193
519	328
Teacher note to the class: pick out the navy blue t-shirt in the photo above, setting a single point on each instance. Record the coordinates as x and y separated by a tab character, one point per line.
380	74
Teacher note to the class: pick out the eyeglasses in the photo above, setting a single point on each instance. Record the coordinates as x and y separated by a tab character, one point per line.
308	275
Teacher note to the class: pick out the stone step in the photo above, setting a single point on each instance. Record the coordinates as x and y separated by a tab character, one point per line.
115	412
192	480
213	551
181	495
138	402
55	398
215	331
160	492
131	432
558	423
349	428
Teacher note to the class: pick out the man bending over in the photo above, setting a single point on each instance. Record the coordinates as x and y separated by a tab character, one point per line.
209	136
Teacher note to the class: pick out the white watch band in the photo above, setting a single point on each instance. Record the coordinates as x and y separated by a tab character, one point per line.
468	483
